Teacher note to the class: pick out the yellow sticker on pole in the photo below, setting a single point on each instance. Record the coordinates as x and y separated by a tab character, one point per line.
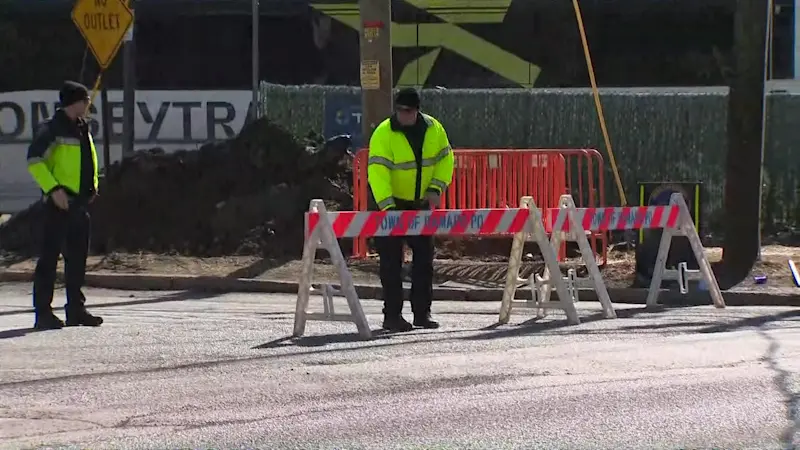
103	24
370	74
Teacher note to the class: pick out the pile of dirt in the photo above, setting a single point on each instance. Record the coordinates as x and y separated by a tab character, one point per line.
243	196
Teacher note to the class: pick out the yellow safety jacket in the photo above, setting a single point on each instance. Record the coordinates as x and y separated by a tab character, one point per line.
405	163
63	155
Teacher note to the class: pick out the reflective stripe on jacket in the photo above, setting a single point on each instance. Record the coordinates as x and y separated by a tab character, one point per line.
396	172
55	158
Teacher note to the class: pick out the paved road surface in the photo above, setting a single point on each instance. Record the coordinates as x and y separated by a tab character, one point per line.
173	370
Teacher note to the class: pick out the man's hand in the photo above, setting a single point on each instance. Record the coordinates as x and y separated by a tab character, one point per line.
60	199
434	200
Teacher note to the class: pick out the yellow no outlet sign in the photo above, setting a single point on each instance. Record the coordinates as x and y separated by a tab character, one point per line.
103	23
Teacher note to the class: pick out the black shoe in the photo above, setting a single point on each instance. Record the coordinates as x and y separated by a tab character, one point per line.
397	324
83	318
47	321
426	322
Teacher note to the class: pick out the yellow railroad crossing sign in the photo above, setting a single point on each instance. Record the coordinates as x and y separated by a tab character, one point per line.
103	23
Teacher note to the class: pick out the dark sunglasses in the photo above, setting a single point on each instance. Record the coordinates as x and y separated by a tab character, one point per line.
404	109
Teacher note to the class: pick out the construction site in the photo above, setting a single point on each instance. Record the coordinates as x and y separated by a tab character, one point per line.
243	199
399	224
236	208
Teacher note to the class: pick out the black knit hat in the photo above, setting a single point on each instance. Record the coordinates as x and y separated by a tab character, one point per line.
408	97
72	92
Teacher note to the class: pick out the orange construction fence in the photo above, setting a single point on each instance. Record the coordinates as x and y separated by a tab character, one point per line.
498	178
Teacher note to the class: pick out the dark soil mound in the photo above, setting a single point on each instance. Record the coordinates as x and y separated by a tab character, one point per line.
243	196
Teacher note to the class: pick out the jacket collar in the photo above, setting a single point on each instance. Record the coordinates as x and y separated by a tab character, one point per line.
61	117
422	121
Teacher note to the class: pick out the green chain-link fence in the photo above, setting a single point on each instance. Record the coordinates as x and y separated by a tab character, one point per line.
657	134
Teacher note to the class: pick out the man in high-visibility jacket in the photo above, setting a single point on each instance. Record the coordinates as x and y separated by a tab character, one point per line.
410	166
63	161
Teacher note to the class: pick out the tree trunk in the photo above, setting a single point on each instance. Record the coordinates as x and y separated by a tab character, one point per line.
744	161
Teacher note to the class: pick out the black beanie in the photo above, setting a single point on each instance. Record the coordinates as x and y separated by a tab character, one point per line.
408	97
72	92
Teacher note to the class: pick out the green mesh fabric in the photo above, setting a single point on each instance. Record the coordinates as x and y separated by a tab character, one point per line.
657	134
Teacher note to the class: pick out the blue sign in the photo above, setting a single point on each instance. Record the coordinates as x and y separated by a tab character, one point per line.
343	116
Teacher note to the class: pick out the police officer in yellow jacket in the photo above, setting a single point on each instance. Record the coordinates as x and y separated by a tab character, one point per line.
410	166
63	162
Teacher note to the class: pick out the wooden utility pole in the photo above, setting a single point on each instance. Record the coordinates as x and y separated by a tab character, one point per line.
376	64
744	160
129	88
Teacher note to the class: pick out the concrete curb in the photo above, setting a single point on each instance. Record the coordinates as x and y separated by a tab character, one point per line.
157	282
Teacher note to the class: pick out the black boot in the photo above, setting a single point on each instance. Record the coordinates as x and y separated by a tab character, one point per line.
47	321
396	323
425	322
81	317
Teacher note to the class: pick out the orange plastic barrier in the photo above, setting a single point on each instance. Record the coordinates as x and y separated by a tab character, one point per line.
498	178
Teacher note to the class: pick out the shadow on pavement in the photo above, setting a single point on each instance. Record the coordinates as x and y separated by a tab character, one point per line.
494	331
322	340
535	325
751	322
275	344
174	297
318	340
197	365
15	333
666	326
258	268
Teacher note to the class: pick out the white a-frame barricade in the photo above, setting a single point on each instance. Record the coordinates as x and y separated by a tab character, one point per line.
684	226
324	228
541	286
321	233
572	224
569	224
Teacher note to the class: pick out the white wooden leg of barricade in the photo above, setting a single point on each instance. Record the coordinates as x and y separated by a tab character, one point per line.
684	227
544	284
536	227
323	235
514	262
578	234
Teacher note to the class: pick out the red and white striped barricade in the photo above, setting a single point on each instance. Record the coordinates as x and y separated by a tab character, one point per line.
320	231
571	224
541	286
324	228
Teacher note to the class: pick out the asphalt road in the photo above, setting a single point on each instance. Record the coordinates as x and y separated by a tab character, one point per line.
174	370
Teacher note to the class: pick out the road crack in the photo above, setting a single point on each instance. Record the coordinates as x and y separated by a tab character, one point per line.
783	381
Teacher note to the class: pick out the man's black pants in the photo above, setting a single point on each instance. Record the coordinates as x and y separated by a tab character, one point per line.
390	250
67	230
